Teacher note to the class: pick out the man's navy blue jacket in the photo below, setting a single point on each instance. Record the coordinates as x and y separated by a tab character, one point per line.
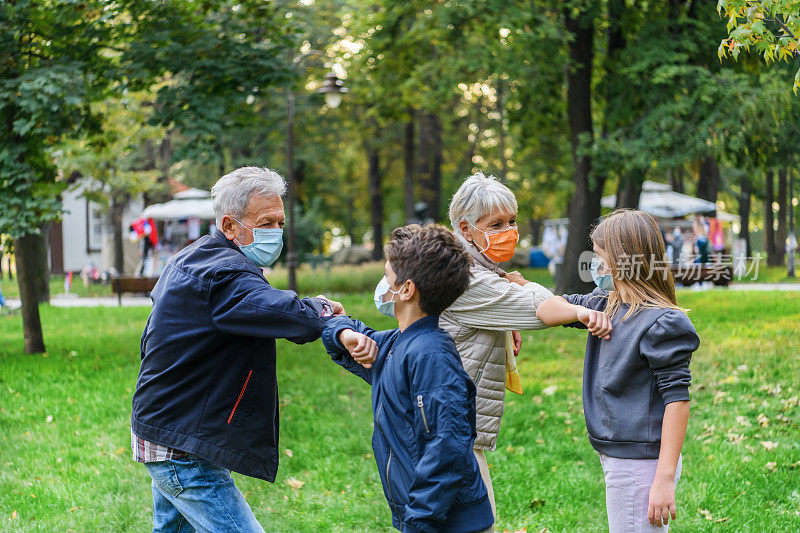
424	408
207	384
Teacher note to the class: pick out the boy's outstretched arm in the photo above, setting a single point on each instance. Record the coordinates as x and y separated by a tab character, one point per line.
442	410
557	311
353	345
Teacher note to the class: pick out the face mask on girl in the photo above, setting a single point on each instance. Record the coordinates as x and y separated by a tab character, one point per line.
500	244
386	308
604	281
266	246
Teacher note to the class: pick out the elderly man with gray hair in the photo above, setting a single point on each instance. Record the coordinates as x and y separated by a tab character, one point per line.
206	401
485	320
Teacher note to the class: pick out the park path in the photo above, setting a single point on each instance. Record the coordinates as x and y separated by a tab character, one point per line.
143	301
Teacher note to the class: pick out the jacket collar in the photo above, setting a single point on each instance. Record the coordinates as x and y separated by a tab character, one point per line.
222	239
426	323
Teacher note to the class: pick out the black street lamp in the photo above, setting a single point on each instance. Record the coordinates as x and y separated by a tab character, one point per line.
333	88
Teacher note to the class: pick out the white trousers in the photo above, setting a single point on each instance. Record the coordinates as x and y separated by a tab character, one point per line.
487	478
628	483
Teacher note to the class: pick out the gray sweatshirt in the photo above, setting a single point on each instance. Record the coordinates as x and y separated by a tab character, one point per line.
628	379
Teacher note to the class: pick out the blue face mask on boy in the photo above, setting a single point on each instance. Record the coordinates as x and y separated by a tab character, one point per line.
385	308
604	281
266	246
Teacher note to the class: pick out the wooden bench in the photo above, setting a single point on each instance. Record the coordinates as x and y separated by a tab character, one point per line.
131	284
688	274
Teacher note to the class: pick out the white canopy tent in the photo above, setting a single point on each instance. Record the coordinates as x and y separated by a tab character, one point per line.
191	203
660	200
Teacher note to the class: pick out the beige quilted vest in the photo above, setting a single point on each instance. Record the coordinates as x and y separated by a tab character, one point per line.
478	322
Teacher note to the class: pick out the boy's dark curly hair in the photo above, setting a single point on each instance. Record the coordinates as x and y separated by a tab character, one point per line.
434	260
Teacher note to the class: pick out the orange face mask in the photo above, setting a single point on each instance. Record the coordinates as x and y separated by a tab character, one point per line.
501	245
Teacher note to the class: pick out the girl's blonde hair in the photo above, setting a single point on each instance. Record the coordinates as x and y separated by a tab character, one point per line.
637	259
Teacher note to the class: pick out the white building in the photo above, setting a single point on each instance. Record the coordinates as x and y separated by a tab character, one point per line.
84	235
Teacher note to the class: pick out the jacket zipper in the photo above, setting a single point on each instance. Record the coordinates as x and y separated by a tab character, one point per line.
422	410
239	399
389	462
478	377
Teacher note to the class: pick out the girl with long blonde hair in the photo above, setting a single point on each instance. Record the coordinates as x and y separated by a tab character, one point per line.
636	372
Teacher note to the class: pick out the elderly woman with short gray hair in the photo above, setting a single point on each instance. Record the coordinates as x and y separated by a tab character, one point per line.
485	320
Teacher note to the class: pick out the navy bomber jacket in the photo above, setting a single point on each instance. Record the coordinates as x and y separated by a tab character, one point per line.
207	383
424	408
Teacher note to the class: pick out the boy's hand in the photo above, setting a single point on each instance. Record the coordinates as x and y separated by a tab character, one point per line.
596	322
363	349
662	502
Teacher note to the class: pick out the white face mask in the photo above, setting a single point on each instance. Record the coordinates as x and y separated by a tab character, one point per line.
386	308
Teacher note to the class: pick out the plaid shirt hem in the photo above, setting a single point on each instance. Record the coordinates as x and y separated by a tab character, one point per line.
145	451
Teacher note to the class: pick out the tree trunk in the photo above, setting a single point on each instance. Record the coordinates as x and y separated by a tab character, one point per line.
408	161
38	268
535	227
501	108
376	200
790	260
676	179
584	207
115	215
780	241
769	220
708	182
430	164
744	213
27	252
629	189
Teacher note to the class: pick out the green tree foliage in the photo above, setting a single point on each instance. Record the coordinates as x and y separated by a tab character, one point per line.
770	28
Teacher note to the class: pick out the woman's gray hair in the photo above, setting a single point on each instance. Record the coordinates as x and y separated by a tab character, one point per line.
232	192
480	195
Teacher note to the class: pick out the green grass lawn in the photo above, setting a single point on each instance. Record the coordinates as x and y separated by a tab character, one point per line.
73	472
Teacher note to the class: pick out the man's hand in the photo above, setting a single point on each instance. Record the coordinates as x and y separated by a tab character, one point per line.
363	349
662	503
597	322
516	277
338	308
517	342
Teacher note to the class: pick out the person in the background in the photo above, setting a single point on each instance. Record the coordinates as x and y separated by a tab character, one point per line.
206	400
485	319
677	245
700	241
636	379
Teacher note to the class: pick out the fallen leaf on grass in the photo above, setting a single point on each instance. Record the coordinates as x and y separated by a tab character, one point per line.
49	419
295	483
706	514
771	465
14	515
762	420
795	465
289	453
536	502
549	391
769	445
742	421
721	520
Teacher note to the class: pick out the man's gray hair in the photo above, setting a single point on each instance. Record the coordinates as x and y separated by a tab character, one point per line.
232	192
478	196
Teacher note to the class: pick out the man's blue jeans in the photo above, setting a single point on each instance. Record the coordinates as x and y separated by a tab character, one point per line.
191	494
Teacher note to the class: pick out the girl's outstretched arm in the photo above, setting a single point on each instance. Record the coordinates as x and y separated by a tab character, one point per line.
662	494
556	311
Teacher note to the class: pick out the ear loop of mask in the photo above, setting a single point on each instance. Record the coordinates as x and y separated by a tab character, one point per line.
488	242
